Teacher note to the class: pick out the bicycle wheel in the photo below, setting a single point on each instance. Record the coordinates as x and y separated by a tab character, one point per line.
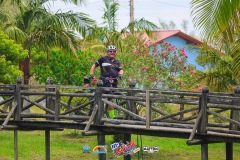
79	103
122	103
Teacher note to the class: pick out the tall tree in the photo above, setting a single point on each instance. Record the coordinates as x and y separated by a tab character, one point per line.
10	54
109	33
218	22
36	27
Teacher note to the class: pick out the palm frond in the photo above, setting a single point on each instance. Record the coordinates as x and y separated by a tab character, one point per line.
213	17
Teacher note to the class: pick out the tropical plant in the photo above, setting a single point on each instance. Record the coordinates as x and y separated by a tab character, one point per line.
10	54
109	34
63	68
218	22
36	27
159	66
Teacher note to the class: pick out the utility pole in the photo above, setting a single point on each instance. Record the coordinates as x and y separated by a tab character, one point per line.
131	11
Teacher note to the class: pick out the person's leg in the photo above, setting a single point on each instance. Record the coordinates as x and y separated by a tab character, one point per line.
111	110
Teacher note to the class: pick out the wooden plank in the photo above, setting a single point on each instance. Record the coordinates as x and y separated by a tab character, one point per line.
140	123
224	118
195	126
6	100
91	118
28	93
175	114
223	106
69	117
9	115
77	94
77	108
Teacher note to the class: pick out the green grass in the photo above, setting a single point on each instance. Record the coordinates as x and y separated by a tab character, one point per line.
68	145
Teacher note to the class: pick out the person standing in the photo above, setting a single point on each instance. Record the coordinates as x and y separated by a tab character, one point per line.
109	68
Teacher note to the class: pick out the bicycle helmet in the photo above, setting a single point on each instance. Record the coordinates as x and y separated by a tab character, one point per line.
111	47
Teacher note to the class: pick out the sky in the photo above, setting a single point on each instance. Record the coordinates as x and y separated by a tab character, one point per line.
151	10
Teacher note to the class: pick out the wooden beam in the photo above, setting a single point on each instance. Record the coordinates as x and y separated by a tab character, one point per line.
124	110
195	126
91	118
9	115
38	105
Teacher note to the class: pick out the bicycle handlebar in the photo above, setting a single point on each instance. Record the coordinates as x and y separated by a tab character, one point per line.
91	80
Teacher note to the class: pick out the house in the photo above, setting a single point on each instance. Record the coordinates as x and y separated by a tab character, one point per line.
177	39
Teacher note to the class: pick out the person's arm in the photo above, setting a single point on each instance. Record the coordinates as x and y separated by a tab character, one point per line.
121	72
92	70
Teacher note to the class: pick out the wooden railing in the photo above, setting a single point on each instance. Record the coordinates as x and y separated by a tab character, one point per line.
201	112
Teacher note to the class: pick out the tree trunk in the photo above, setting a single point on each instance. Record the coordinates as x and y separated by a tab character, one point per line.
24	66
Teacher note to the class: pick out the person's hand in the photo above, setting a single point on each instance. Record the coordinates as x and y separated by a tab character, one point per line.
91	76
86	80
120	76
86	85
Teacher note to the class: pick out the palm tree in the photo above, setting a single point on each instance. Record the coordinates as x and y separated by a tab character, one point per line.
218	22
37	28
109	34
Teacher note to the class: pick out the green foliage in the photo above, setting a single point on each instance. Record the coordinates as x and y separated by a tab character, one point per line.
10	55
218	23
63	68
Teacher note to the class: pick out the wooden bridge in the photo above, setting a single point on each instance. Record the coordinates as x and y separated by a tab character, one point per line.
199	117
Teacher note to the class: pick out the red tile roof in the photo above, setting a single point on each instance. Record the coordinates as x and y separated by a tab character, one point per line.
159	36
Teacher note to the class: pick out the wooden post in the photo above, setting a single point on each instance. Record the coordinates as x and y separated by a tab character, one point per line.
47	144
99	103
204	121
17	116
229	151
148	109
57	104
181	107
99	116
131	106
234	116
15	144
18	99
49	99
49	105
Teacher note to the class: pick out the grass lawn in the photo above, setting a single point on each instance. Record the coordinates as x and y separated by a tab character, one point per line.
68	145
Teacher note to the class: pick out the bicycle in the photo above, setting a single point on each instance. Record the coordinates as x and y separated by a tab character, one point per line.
74	101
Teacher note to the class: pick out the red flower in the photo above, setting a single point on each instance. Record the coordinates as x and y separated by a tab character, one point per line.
144	68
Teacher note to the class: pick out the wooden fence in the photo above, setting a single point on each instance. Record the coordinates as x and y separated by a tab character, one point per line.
201	117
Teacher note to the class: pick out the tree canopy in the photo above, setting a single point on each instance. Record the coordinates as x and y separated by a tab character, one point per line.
10	54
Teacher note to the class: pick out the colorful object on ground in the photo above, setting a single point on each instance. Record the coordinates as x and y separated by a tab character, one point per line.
119	148
100	150
86	149
150	149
